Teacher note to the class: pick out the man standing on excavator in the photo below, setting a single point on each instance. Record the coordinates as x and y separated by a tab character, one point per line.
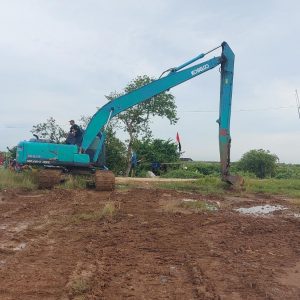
75	134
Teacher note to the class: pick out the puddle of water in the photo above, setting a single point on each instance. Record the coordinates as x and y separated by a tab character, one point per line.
260	210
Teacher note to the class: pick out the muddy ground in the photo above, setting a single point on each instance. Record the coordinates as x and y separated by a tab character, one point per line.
146	244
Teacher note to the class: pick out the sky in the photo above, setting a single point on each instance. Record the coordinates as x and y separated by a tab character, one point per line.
59	58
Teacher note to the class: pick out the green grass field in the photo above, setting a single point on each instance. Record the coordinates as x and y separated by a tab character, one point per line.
10	179
214	186
206	185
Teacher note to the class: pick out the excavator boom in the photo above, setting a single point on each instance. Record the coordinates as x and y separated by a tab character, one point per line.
145	93
175	77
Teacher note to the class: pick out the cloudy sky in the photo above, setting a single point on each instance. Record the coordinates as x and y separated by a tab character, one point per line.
60	57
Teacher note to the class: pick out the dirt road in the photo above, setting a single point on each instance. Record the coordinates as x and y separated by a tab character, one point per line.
61	244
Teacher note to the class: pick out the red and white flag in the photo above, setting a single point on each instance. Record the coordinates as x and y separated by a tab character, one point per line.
178	141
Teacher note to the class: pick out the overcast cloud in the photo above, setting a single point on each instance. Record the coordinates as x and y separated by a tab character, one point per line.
59	58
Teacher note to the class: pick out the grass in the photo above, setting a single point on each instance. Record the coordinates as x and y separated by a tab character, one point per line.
197	205
27	179
73	182
10	179
207	185
214	186
108	211
79	286
288	187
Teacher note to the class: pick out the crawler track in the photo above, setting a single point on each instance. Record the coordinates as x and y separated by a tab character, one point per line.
47	179
104	180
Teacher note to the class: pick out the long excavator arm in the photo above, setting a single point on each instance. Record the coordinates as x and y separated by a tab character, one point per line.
175	77
140	95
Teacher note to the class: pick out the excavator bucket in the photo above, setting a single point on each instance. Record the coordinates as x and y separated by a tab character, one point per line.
236	181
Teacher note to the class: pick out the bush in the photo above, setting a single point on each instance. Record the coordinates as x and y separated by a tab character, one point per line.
287	171
260	162
208	168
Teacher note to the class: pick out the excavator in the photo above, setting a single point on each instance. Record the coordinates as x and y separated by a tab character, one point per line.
55	159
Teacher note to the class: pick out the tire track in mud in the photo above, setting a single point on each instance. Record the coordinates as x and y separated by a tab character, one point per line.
144	251
38	270
145	258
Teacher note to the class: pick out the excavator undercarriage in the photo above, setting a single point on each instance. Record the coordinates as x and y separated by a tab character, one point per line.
102	180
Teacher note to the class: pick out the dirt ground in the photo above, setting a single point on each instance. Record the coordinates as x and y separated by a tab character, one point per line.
63	244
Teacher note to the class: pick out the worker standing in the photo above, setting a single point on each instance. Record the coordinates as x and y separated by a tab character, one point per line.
134	163
75	134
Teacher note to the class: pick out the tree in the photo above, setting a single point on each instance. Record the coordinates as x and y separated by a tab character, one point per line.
136	120
50	130
84	121
260	162
155	150
115	152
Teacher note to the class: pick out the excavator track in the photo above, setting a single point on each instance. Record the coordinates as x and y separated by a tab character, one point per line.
104	180
47	179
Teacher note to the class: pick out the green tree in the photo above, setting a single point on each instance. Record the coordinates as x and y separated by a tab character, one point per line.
50	130
260	162
115	152
155	150
136	120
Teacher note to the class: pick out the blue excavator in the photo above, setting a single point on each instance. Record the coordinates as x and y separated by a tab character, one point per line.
63	158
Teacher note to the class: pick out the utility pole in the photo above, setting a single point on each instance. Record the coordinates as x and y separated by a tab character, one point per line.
298	103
